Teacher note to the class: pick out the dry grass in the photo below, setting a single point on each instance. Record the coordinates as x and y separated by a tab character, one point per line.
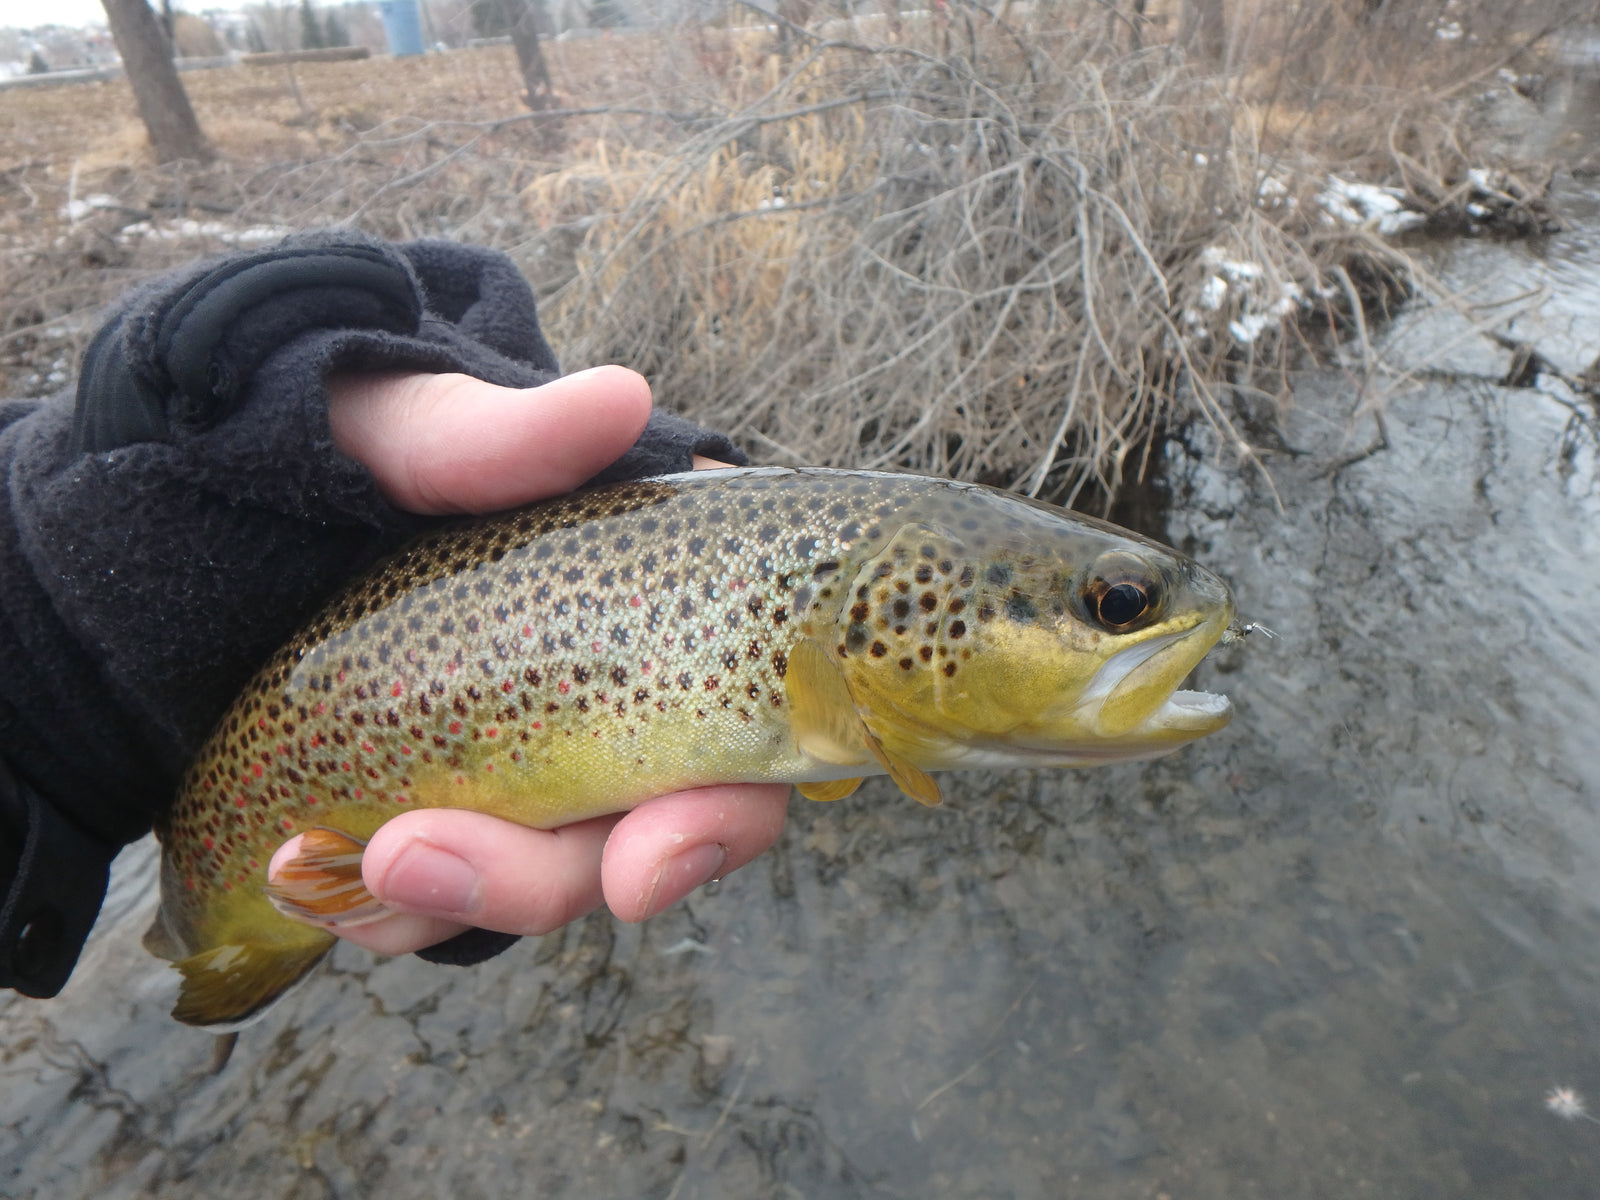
987	248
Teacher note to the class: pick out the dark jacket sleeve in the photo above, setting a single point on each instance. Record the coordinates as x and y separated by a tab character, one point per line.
164	527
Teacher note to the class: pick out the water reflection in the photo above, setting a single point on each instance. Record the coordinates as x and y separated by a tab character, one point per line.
1344	948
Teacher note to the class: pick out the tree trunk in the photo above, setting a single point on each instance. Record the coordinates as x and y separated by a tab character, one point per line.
540	93
147	59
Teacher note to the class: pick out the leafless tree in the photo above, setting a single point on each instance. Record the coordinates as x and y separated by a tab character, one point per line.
163	104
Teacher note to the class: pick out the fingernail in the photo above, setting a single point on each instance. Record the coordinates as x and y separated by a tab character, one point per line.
682	873
426	877
583	374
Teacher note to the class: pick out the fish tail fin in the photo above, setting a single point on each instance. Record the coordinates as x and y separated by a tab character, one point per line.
228	985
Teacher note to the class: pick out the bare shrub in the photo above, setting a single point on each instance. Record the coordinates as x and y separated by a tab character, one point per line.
1001	244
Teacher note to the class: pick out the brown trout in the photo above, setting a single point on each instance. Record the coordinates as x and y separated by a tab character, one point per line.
582	655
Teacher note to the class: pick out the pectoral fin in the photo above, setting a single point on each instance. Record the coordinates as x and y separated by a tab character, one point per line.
322	882
833	789
828	726
822	714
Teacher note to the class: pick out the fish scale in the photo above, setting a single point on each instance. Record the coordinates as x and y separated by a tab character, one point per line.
582	655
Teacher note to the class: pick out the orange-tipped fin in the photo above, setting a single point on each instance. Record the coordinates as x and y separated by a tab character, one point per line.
322	884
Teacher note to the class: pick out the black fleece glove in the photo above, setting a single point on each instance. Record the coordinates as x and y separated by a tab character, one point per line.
165	529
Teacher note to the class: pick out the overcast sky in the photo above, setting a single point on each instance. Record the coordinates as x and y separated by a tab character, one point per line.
23	14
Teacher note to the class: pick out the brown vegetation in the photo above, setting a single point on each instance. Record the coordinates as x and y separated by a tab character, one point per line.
1002	244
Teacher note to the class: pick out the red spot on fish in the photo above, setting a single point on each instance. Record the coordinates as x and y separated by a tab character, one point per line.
340	676
344	766
506	687
366	748
283	748
636	601
648	666
395	690
455	726
401	799
210	845
238	802
262	723
460	780
488	766
322	707
255	769
450	668
189	883
563	687
405	749
287	824
596	646
316	740
254	865
311	799
527	631
492	731
537	725
356	793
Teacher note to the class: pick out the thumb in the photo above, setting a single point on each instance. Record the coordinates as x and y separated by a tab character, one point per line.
452	443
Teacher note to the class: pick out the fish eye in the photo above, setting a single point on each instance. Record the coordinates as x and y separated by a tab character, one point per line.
1122	604
1122	592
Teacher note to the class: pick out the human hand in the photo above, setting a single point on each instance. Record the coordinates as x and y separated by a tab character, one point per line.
454	444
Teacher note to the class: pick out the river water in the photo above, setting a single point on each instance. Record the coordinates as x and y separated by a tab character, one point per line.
1346	948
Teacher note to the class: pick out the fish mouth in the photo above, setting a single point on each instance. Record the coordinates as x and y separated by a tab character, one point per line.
1125	697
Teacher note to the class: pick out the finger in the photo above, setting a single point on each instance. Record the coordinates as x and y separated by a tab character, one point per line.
451	443
665	848
444	870
478	870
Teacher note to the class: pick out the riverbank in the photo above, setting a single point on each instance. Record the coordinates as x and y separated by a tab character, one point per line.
1001	246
